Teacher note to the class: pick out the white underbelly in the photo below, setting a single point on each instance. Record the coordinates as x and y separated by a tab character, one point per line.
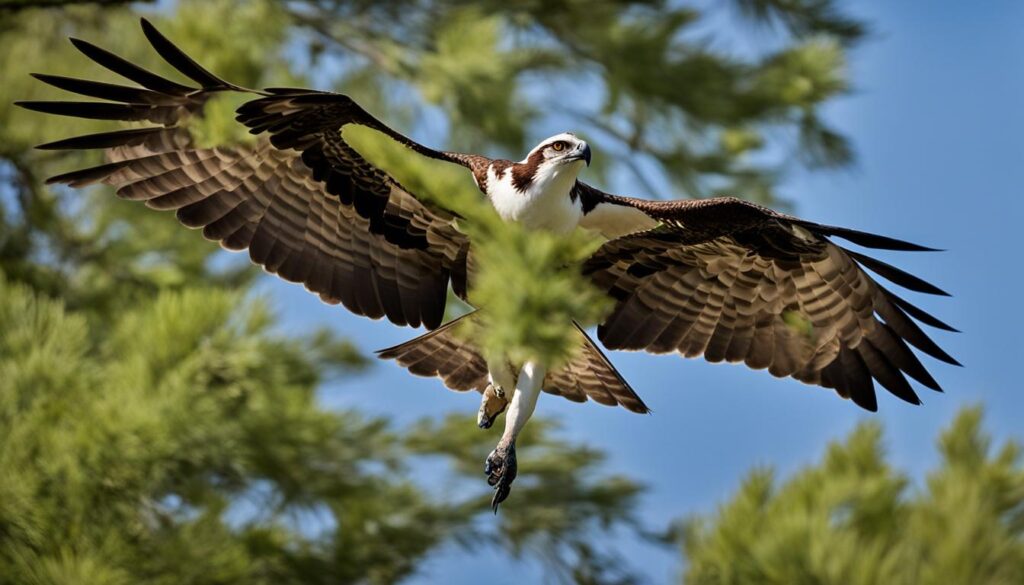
558	216
555	213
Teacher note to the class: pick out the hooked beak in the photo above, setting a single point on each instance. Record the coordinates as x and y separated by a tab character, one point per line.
582	154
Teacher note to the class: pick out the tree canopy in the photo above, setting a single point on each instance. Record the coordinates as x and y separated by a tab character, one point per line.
854	518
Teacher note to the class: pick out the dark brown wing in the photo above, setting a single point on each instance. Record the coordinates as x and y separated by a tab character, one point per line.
447	353
304	203
733	281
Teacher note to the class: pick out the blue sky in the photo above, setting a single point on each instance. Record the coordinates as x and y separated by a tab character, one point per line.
936	118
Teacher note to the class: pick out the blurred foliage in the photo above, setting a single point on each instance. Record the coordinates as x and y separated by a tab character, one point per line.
86	248
154	425
643	80
186	445
854	519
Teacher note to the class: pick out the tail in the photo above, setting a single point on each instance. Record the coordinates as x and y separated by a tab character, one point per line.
590	375
449	354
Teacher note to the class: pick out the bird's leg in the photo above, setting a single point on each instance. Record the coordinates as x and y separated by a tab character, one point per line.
501	464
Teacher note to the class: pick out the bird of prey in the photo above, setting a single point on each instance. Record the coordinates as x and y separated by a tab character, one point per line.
719	278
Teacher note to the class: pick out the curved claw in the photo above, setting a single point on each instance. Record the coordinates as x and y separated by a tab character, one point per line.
500	493
501	470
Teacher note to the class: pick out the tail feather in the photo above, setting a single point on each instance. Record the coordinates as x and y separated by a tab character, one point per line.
447	353
590	375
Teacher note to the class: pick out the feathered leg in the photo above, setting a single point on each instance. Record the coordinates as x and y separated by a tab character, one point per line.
501	463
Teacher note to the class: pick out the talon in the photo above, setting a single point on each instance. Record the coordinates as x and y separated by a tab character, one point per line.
489	465
501	470
500	493
492	404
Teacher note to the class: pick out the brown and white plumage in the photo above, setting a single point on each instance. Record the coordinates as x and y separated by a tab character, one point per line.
719	278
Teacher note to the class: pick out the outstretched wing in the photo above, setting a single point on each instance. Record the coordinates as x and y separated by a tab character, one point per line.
303	202
732	281
449	354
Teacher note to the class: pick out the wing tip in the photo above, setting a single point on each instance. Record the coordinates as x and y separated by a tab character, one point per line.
32	105
83	45
896	275
868	239
866	398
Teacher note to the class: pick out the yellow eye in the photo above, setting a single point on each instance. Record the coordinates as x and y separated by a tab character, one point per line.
558	146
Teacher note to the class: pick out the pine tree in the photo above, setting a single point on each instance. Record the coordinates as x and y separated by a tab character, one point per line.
853	518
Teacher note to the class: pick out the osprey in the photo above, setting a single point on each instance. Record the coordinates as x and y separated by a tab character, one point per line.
719	278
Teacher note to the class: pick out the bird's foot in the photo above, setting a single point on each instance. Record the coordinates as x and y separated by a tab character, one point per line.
492	404
501	472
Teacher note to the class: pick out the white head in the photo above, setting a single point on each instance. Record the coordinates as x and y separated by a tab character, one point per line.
564	148
537	191
552	164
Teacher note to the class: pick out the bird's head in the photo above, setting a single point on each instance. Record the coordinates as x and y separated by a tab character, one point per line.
560	149
552	164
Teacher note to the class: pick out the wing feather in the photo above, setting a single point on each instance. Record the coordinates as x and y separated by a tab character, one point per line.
305	204
733	281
